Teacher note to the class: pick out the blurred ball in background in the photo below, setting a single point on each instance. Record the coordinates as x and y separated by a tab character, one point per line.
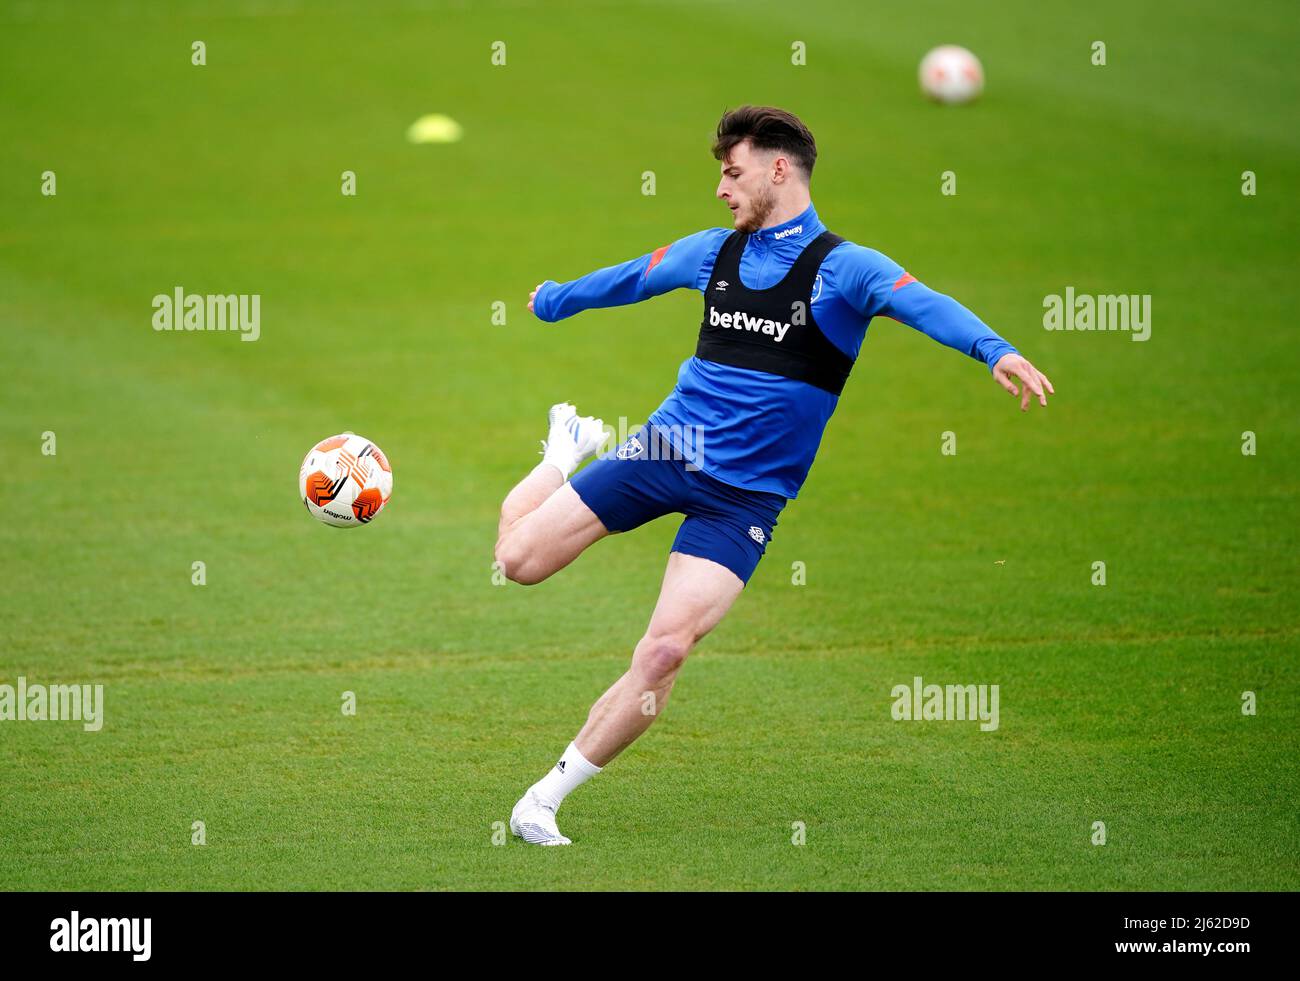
952	75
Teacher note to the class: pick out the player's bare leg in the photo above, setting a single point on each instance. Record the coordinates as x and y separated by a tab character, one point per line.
695	595
548	538
544	524
527	496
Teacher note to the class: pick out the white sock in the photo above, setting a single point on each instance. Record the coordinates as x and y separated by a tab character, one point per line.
559	453
571	772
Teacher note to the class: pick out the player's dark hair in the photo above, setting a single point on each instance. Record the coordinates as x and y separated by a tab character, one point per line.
767	128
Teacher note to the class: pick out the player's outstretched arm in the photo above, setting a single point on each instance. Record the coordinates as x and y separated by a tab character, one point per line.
682	264
948	322
875	284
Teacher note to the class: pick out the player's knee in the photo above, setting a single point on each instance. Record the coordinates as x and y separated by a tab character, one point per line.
518	564
661	656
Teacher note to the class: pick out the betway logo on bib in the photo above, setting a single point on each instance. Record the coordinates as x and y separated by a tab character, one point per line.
743	321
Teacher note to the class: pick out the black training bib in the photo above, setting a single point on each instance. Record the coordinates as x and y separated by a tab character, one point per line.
771	330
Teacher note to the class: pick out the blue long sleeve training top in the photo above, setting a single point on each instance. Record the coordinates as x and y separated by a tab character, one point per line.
762	430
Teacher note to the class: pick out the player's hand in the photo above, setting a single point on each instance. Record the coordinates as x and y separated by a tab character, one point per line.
1032	381
533	296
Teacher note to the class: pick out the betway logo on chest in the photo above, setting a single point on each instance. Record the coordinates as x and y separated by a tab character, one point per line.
743	321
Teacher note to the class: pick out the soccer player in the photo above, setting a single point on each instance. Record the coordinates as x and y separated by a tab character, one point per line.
786	308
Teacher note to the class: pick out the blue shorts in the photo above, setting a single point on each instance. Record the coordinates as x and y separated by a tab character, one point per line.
644	478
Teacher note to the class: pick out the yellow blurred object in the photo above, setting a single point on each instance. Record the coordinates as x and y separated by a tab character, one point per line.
434	128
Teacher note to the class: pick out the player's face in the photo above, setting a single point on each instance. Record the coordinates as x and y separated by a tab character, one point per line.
746	186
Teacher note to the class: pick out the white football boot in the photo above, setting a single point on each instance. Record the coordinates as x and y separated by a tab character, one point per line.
534	822
572	438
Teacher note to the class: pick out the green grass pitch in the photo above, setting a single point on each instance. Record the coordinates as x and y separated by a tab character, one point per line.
1119	703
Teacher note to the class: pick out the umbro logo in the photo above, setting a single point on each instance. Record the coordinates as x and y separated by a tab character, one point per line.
756	533
722	285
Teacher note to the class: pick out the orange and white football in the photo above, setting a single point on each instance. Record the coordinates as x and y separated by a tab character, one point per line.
345	480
